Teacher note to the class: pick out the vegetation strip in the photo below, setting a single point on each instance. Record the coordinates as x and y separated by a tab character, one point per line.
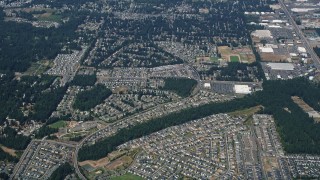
297	130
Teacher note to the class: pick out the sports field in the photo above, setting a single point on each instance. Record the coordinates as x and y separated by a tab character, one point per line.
58	124
237	54
234	59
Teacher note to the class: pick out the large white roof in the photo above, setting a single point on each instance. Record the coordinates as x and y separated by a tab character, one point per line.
302	49
266	49
207	85
281	66
262	33
242	89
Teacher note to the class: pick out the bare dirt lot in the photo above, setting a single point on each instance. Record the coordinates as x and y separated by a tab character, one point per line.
98	163
12	152
306	108
122	161
269	163
270	57
245	53
302	104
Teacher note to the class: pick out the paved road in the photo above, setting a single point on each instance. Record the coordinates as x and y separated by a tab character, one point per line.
26	151
17	166
197	78
304	40
75	160
81	143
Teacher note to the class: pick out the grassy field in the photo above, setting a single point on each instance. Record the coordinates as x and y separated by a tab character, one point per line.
114	163
234	58
240	54
30	10
127	176
39	67
74	134
58	124
47	15
214	59
50	17
224	50
246	112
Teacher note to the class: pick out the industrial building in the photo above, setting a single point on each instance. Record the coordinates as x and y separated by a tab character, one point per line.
242	89
281	66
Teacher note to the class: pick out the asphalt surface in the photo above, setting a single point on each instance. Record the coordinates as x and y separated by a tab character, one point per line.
314	57
305	42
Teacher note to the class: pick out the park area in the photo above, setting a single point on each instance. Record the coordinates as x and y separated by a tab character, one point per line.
112	164
237	54
234	59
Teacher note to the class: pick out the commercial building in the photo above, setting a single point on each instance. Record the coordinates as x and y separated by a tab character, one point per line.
281	66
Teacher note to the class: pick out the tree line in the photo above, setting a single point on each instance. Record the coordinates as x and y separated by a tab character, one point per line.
102	148
33	43
84	80
5	156
298	132
11	139
31	94
86	100
317	50
62	172
182	86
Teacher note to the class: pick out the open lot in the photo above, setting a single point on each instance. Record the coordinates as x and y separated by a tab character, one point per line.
127	176
58	124
33	9
234	59
114	164
270	57
247	112
113	160
207	59
39	67
49	17
269	163
301	103
12	152
99	163
239	54
42	14
306	108
123	161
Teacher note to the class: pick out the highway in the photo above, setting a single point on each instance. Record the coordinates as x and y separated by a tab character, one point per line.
314	57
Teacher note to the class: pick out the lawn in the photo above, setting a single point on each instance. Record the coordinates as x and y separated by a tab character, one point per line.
214	59
50	17
39	67
246	112
58	124
127	176
234	58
